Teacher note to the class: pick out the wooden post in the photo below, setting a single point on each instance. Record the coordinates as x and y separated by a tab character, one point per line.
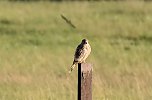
84	81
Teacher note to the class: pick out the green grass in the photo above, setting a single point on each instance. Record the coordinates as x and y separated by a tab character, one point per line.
37	47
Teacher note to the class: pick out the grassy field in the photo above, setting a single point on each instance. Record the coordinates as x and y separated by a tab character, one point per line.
37	47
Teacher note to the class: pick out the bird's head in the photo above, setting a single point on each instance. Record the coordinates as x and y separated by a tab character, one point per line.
84	41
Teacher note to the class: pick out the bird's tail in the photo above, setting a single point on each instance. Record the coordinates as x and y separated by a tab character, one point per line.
72	66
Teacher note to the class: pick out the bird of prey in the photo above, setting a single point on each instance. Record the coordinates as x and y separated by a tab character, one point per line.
82	52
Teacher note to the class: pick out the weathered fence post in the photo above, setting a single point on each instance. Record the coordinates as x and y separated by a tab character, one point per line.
84	81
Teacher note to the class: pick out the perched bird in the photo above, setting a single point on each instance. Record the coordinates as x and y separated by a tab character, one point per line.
82	52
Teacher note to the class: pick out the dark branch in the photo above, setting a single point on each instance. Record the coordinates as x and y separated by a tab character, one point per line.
68	21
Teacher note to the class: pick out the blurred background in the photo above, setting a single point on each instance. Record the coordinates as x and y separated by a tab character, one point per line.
37	48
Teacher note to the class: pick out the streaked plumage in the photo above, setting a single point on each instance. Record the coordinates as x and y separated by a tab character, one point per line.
82	52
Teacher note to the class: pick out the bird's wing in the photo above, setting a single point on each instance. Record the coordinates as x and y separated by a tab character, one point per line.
79	53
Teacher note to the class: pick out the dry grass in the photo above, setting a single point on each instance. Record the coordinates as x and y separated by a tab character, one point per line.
37	46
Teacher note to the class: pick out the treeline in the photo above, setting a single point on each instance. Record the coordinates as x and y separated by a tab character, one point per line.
75	0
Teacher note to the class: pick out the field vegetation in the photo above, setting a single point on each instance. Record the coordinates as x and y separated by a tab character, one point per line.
37	47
